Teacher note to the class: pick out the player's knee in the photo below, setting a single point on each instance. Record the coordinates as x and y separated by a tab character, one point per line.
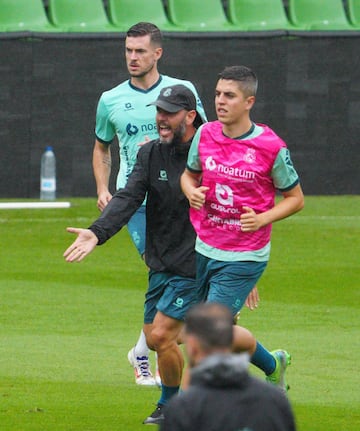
161	338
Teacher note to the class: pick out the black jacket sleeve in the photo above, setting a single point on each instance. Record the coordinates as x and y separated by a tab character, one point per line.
125	201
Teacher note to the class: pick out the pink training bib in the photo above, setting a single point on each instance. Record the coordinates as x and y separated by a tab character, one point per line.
238	173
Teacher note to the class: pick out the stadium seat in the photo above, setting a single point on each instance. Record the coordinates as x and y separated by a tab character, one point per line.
199	15
125	13
354	13
24	15
258	15
318	15
79	15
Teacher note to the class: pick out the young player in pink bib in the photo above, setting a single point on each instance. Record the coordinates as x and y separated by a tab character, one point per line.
234	169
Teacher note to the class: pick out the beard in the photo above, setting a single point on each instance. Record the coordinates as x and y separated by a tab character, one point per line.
177	137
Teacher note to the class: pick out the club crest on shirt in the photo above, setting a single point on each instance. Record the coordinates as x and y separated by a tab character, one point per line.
250	156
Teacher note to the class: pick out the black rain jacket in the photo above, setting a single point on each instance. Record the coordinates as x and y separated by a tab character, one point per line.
170	237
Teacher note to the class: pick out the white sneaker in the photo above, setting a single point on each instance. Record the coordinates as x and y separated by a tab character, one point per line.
141	364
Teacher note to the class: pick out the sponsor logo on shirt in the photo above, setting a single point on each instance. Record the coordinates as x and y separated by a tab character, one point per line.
150	127
230	216
224	194
229	171
210	164
131	129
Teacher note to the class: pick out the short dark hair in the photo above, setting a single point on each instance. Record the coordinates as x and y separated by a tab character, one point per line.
212	324
244	75
144	29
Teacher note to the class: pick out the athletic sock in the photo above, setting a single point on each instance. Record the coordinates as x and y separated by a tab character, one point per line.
167	392
141	348
263	359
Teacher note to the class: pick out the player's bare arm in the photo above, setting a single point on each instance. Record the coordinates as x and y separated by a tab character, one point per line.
84	244
102	170
292	202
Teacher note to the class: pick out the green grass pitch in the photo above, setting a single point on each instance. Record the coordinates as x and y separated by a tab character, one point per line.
66	328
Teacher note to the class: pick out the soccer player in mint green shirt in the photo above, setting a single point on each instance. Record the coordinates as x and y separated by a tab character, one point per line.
123	113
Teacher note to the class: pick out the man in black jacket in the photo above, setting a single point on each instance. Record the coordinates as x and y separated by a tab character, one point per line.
222	394
170	237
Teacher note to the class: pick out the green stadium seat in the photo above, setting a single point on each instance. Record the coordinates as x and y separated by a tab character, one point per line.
258	15
318	15
354	13
79	16
125	13
24	15
199	15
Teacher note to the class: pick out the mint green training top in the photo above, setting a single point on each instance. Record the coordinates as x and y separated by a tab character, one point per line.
122	112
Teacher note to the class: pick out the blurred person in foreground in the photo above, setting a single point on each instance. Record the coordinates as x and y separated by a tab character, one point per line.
222	394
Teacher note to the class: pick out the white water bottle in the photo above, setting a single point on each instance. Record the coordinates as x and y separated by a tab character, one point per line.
48	175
